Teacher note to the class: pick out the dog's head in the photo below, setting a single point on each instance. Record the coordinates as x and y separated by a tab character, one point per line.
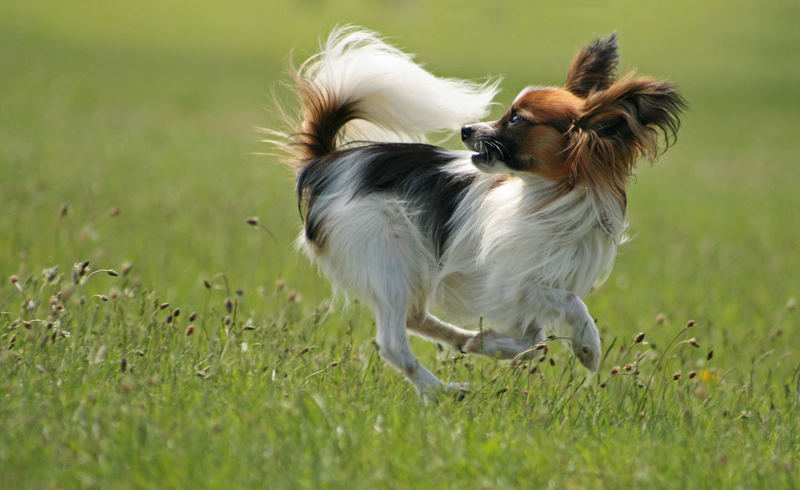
589	132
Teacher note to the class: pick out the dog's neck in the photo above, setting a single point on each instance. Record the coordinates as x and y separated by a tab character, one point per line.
607	212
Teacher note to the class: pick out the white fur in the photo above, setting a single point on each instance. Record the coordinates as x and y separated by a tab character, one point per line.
517	257
398	99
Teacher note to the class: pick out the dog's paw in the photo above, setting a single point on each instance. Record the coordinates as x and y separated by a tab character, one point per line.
588	355
454	391
494	344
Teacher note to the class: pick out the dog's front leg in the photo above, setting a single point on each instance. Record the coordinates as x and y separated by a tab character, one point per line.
561	305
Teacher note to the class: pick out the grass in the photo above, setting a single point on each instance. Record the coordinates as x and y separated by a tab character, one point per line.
127	140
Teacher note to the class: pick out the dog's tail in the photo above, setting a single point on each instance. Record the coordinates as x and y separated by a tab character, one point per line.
360	89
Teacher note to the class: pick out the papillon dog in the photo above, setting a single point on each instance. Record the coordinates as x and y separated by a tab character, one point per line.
517	230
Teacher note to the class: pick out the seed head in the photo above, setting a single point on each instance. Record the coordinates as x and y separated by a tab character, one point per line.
228	305
207	284
615	370
192	316
114	211
64	210
693	343
661	319
227	320
710	355
639	338
692	374
112	273
252	221
126	268
190	329
676	376
163	306
690	323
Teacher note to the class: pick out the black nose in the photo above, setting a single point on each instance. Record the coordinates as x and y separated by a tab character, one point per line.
466	132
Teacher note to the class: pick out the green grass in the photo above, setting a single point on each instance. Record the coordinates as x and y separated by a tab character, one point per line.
150	108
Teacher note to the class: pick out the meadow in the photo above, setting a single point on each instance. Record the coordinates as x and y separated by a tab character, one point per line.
151	337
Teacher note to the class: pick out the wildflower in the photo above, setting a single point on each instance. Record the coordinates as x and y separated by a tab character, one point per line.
15	282
708	376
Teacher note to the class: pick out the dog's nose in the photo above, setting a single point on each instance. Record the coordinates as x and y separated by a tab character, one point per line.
466	132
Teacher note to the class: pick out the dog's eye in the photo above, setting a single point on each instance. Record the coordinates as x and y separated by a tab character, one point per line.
515	119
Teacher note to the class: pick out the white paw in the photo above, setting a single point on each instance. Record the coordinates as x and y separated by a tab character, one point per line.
491	343
589	356
456	391
586	346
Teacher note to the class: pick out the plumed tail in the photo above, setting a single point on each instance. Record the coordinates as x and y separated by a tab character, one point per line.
360	89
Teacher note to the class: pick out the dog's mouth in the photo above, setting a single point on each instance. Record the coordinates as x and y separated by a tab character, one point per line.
488	151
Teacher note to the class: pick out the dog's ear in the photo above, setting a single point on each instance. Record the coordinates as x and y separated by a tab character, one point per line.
593	67
631	114
620	124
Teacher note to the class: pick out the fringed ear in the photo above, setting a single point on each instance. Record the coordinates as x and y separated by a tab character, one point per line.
620	124
593	67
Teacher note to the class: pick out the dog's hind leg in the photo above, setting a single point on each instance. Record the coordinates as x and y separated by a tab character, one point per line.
395	350
487	342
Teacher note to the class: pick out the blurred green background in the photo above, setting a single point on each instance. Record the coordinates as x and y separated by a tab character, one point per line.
153	107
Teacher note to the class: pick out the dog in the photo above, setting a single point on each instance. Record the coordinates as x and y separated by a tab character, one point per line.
516	230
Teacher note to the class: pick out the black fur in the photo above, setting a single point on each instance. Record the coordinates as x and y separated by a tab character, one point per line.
412	172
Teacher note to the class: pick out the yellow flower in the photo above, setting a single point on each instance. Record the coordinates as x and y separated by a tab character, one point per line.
708	376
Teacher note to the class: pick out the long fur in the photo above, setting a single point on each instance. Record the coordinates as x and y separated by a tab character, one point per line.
516	233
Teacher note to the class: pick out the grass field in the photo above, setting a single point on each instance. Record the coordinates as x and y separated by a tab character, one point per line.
211	355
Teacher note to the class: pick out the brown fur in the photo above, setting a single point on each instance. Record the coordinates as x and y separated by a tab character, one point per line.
591	132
